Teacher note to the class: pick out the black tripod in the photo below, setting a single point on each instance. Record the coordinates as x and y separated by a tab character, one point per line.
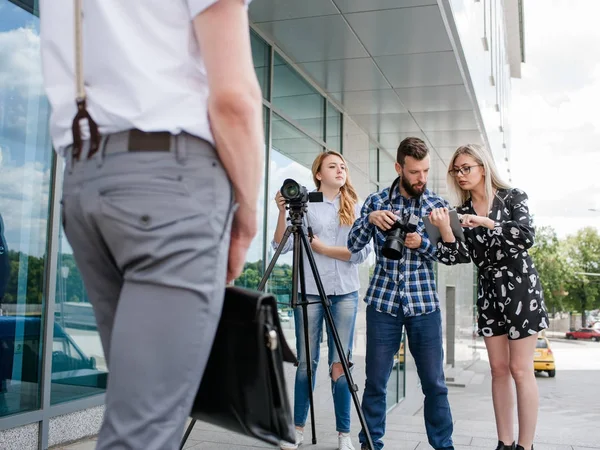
296	228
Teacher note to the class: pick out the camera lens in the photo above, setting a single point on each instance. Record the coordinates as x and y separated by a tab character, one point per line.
290	189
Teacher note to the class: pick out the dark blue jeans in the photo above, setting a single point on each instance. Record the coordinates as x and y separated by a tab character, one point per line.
384	333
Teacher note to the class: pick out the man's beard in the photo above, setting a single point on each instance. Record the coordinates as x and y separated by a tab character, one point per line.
412	190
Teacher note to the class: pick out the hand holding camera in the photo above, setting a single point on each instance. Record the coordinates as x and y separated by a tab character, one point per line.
399	233
383	219
280	200
413	240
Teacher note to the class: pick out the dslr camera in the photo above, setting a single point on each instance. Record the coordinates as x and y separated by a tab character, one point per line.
393	246
295	194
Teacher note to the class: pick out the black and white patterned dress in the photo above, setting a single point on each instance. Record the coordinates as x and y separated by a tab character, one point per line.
510	298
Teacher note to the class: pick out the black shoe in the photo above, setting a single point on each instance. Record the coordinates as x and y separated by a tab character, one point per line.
520	447
503	446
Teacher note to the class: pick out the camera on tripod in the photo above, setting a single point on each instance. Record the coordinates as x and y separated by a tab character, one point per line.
394	241
296	194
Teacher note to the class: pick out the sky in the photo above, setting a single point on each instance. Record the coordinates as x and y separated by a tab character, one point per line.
555	155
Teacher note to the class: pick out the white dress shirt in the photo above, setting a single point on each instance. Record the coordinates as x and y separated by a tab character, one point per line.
141	61
338	277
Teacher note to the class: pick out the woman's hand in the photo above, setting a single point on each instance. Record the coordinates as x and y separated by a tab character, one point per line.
472	221
280	200
440	218
317	245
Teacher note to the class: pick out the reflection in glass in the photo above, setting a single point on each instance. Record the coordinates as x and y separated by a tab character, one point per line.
261	55
287	140
254	266
25	162
297	99
78	364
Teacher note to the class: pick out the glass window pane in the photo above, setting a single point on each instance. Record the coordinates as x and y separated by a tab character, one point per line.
374	163
292	154
25	163
334	128
297	99
78	364
298	147
387	169
254	266
261	54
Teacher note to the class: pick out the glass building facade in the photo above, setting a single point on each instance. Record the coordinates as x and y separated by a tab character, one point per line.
52	368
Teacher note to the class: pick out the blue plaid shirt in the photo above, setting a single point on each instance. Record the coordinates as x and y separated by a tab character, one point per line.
409	281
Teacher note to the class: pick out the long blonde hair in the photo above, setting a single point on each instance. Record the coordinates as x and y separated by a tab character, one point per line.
348	196
491	179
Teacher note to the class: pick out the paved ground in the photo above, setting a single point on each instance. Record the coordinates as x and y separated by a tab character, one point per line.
568	420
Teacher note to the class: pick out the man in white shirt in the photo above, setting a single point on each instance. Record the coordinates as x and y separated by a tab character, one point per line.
161	214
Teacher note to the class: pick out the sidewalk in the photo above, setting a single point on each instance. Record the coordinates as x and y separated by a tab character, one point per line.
474	427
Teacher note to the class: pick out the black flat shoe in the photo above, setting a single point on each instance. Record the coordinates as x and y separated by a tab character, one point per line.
520	447
503	446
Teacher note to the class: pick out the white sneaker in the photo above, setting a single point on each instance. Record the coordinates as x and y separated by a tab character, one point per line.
345	442
299	439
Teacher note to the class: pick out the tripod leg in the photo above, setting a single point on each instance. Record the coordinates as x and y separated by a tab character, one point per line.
265	278
187	433
308	355
336	338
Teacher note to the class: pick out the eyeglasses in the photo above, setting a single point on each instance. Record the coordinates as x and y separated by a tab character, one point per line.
466	170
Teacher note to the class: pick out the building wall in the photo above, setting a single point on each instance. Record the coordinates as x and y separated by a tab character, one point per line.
39	404
480	30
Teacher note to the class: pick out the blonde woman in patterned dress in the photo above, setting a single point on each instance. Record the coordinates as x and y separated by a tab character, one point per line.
510	304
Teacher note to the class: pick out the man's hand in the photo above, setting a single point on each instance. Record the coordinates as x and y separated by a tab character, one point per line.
413	240
317	245
243	230
382	219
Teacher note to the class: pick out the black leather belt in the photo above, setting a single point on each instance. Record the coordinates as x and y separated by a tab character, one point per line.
135	141
149	141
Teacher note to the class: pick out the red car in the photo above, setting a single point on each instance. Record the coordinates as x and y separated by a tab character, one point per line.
584	333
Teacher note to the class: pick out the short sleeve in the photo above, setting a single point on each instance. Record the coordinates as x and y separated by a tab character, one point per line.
199	6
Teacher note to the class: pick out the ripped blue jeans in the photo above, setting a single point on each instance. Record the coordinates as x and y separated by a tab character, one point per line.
343	310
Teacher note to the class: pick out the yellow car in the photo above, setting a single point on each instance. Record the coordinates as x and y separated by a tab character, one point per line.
399	357
543	358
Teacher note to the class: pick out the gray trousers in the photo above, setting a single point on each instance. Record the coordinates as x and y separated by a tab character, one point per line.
150	234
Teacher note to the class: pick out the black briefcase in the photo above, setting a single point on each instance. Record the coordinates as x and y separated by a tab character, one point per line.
243	388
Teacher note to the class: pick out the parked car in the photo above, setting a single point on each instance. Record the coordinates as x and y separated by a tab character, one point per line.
584	333
543	358
20	354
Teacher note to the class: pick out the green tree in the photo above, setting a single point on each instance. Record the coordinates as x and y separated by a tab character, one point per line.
549	256
25	267
583	253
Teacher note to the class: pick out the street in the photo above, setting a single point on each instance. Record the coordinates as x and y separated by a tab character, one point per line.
569	410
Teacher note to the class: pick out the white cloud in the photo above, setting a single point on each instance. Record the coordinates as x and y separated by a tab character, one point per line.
555	154
24	172
24	196
20	64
